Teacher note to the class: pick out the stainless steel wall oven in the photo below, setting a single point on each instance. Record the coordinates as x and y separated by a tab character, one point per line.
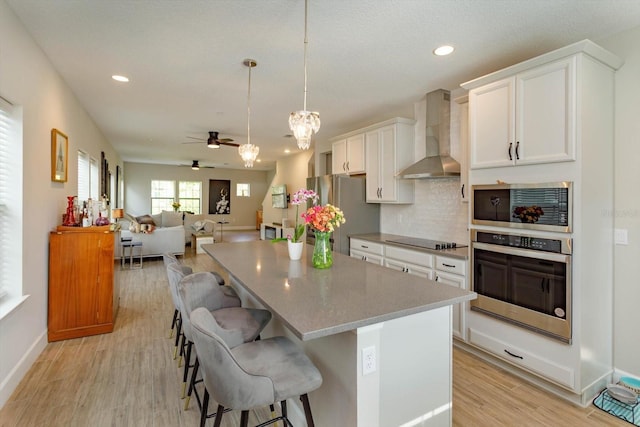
523	279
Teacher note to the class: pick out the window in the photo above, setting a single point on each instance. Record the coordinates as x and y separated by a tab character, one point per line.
243	190
189	196
163	194
88	177
10	207
187	193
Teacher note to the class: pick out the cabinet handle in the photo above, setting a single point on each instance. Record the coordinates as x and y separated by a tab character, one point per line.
513	355
381	192
462	191
517	150
347	165
344	166
510	146
448	265
437	278
364	247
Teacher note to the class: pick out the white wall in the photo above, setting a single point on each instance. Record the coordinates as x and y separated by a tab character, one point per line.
137	183
28	80
627	201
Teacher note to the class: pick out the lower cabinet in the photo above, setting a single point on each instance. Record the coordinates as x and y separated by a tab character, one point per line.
367	251
413	262
452	272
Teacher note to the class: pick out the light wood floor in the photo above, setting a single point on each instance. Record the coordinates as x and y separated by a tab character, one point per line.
129	377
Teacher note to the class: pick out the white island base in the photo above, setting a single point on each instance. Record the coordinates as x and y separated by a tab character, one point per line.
411	384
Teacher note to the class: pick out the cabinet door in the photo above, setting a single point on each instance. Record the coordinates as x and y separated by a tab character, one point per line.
545	113
492	124
458	309
372	258
105	292
387	164
355	154
418	270
372	155
339	157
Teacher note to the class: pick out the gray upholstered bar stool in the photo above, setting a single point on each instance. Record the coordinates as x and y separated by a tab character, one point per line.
170	258
250	375
201	290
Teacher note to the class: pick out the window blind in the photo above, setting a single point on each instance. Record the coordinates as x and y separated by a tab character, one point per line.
8	200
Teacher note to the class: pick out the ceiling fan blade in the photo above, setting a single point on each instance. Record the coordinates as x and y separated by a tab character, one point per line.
192	142
225	140
193	137
231	144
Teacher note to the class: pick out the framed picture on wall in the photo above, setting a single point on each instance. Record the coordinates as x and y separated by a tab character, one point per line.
219	196
59	154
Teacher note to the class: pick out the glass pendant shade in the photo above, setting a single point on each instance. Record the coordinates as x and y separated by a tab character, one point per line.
304	124
248	151
249	154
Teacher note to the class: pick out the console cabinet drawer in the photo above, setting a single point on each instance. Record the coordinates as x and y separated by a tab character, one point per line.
451	265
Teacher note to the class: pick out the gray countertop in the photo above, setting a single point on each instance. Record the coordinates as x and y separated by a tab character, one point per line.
462	253
315	303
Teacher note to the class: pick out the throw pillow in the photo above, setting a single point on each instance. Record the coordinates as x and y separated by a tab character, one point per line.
145	219
171	219
198	225
157	219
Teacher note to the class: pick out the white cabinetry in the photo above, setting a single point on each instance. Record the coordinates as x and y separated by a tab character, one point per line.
461	111
348	155
367	251
409	261
527	118
389	149
452	272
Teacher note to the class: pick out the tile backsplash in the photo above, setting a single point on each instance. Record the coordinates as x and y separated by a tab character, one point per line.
437	213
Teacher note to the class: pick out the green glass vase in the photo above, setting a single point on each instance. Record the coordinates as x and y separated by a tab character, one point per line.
322	256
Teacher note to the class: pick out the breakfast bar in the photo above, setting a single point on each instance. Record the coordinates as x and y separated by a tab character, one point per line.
380	338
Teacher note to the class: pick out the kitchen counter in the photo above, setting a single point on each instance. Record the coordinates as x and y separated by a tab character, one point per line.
387	239
336	315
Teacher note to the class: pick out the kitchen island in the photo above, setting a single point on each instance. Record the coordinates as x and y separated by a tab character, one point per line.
400	322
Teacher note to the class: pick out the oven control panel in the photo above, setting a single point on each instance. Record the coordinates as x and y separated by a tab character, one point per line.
523	242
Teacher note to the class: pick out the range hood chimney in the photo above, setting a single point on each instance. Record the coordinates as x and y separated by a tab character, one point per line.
438	162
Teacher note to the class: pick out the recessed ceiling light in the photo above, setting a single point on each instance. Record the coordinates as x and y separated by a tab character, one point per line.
258	160
443	50
120	78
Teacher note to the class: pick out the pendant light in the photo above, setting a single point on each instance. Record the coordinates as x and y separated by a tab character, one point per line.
304	123
248	151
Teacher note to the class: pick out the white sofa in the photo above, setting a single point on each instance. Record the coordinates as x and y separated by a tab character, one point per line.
171	231
160	241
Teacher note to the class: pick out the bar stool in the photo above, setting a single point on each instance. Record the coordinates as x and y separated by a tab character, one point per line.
169	258
239	325
253	374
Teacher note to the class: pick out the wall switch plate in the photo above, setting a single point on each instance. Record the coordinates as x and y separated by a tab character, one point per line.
621	236
368	360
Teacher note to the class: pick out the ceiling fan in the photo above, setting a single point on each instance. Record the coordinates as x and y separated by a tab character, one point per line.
213	141
195	165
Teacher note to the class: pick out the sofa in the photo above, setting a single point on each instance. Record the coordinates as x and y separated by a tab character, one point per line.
166	232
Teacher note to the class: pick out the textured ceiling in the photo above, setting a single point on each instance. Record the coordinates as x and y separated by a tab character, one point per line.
368	60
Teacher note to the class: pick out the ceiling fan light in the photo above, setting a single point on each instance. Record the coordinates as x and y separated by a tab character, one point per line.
248	152
304	124
195	166
213	144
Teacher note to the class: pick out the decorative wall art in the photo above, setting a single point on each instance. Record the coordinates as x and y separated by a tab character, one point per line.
219	196
59	153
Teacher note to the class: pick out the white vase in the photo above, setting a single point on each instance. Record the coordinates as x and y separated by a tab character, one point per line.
295	249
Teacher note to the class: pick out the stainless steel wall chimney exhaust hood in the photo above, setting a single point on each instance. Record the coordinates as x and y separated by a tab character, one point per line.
438	162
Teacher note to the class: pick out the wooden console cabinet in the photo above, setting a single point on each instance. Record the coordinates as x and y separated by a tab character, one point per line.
82	297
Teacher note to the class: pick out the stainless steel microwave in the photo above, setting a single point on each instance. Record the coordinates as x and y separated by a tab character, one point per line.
545	206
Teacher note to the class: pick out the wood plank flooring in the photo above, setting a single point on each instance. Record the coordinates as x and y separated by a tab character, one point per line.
129	377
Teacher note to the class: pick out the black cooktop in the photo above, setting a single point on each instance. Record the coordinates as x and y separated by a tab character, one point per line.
426	243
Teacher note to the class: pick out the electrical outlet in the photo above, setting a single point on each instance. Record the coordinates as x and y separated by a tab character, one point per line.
621	236
368	360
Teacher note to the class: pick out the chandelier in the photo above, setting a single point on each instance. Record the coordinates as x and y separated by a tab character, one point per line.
304	123
248	151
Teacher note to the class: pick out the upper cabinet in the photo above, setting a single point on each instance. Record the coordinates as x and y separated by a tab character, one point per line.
526	118
348	155
389	149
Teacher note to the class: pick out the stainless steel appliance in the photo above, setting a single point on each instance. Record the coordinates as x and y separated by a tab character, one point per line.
347	193
523	279
437	245
544	206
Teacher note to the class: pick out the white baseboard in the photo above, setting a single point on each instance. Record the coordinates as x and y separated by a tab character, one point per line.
22	367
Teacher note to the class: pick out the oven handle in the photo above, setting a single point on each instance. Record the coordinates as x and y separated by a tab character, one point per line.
529	253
